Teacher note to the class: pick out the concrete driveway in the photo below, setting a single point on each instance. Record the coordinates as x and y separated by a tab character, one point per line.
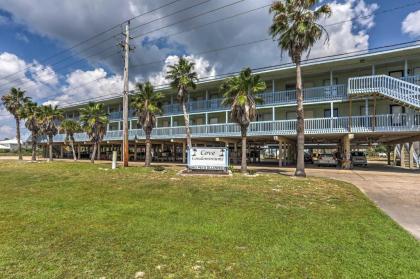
396	191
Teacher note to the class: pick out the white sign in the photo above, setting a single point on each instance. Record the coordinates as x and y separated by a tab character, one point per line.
207	158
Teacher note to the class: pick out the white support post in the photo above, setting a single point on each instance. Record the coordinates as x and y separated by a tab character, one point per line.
207	118
227	117
273	85
405	68
331	114
373	70
172	121
274	113
331	78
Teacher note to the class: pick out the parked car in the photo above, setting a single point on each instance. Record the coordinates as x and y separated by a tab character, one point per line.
358	158
382	155
327	160
308	158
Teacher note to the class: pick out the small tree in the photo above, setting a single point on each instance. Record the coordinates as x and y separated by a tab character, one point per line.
70	127
239	93
295	26
93	120
147	104
50	117
14	102
33	124
183	77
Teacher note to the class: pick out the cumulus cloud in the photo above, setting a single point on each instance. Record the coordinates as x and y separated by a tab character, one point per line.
411	24
87	85
202	67
34	78
346	35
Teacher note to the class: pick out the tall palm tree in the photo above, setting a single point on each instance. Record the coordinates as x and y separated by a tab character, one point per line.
147	104
93	119
33	124
70	127
295	26
239	92
50	116
183	77
14	102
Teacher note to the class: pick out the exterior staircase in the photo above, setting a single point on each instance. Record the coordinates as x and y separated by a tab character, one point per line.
403	92
403	154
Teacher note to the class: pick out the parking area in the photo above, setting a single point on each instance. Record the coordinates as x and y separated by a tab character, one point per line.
395	190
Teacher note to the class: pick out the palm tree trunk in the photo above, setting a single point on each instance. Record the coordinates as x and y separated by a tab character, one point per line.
18	138
187	124
33	147
148	160
72	149
300	125
50	148
243	160
92	158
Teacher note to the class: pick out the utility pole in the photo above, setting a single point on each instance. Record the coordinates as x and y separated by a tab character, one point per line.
126	47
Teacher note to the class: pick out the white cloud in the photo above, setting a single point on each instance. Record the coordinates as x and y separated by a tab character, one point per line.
22	37
86	85
411	24
4	20
202	67
34	78
347	35
7	132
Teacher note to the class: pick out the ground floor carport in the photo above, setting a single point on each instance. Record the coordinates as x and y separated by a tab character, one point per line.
280	150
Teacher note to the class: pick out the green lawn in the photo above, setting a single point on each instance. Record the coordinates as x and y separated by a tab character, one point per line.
68	220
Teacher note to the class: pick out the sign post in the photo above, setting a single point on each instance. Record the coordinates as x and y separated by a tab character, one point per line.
208	159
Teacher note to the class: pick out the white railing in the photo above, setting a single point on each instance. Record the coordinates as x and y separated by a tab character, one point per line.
412	79
397	89
356	124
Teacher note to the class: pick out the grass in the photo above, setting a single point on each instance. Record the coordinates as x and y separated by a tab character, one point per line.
68	220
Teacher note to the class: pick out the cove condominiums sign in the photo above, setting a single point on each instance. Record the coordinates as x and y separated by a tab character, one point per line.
206	158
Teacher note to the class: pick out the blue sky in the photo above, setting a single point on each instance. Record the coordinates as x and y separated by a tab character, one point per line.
32	30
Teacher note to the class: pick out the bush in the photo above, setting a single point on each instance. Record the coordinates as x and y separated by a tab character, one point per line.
159	168
252	172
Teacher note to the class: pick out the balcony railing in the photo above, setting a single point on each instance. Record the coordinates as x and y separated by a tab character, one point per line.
356	124
412	79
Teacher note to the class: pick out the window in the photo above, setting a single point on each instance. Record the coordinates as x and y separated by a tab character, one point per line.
291	115
327	82
417	71
134	124
214	120
396	74
113	126
363	110
327	112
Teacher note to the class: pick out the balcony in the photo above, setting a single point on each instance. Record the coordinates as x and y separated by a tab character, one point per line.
356	124
310	95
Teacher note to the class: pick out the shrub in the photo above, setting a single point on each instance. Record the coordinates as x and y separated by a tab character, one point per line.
159	168
252	172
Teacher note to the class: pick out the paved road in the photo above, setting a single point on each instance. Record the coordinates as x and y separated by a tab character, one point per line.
396	191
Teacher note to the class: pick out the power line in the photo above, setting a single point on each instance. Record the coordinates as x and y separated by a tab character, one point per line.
114	36
350	54
93	37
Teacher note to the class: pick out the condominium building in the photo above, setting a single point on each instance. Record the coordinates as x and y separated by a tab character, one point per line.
350	102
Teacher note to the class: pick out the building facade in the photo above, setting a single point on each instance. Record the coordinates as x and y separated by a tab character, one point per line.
350	102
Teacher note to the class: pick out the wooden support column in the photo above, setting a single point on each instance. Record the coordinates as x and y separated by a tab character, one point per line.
388	154
350	113
374	113
184	151
402	155
280	153
395	155
135	152
61	151
98	155
411	155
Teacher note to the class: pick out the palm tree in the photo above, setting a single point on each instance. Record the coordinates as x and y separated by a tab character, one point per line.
70	127
239	93
50	116
147	104
33	124
295	26
183	77
14	102
94	119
